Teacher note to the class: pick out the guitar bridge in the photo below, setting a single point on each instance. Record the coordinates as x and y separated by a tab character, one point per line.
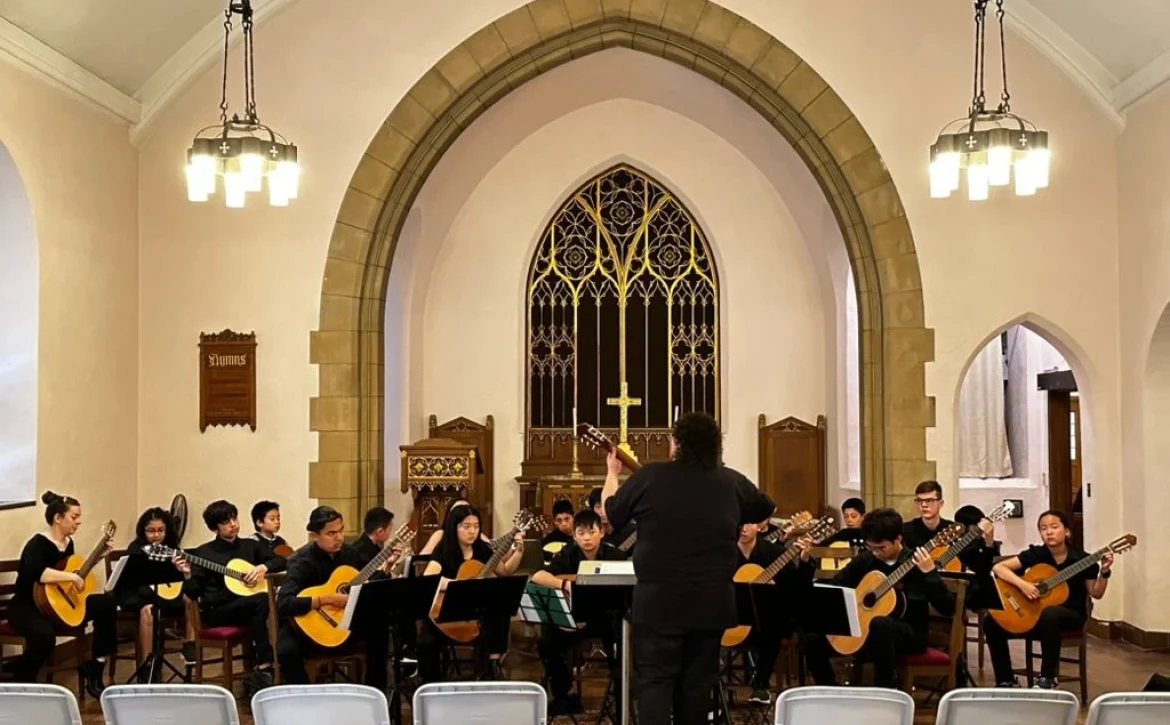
327	618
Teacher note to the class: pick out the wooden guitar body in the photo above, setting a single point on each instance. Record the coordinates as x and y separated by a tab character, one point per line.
737	635
462	632
170	592
62	603
954	565
1019	614
239	588
836	564
867	610
321	625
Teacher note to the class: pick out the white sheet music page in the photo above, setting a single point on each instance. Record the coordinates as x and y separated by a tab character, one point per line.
116	573
350	607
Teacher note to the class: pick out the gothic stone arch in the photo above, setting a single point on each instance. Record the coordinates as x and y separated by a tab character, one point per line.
714	42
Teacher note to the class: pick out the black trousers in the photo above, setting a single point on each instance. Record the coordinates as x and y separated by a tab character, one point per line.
244	612
1053	621
677	670
40	637
493	640
293	648
765	646
888	642
554	646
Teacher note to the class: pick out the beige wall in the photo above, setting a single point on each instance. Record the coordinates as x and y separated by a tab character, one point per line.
80	174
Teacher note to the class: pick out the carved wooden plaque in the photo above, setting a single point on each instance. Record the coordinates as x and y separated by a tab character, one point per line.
227	379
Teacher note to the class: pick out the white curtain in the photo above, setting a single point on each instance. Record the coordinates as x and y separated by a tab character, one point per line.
983	442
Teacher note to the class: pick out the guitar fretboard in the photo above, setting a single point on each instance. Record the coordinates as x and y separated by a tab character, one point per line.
383	556
958	547
1069	572
905	567
505	543
94	556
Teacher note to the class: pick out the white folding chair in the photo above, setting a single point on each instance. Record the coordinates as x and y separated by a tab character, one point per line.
981	706
480	703
169	705
318	704
844	706
1130	708
39	704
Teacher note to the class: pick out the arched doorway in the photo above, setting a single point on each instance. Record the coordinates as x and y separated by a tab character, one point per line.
894	345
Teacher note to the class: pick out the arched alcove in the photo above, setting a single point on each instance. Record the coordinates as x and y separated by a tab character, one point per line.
1151	613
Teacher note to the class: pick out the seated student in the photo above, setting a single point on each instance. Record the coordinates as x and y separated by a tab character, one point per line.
154	527
978	558
1057	551
928	497
218	606
890	639
437	535
266	519
462	542
852	511
555	641
376	531
38	565
755	549
615	538
312	566
562	533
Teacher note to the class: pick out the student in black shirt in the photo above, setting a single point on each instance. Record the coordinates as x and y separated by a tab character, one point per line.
219	607
437	535
609	535
266	519
376	530
38	565
1058	552
562	533
312	566
154	527
978	558
462	542
929	500
689	512
890	639
852	512
554	641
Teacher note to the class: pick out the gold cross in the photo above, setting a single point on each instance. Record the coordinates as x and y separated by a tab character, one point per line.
624	402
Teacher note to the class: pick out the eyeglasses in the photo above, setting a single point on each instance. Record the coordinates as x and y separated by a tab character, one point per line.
468	527
927	501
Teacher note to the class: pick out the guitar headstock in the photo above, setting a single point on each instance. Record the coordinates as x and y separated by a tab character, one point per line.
158	552
527	520
404	533
109	528
593	438
945	538
820	529
798	521
1122	544
1001	512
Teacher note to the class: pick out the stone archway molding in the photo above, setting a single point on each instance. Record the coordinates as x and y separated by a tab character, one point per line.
718	44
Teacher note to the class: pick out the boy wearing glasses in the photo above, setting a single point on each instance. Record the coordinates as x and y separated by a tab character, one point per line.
928	499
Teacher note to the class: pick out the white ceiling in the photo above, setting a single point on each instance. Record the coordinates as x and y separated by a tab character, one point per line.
131	56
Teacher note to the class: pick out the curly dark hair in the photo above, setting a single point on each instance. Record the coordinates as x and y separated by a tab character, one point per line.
699	440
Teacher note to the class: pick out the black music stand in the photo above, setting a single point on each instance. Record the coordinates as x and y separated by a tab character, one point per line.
393	601
142	571
611	601
480	600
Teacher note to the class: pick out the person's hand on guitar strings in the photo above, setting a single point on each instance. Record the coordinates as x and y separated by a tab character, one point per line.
182	565
804	544
395	556
1106	563
518	541
1029	589
612	462
78	582
255	576
988	530
923	560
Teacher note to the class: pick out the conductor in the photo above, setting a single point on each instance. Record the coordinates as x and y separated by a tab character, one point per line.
689	512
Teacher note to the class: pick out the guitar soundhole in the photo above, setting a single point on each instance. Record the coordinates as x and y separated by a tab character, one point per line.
1042	588
869	600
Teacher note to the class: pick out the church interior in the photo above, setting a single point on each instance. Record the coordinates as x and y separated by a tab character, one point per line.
396	254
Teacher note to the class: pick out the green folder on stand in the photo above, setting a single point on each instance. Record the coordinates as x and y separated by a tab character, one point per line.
541	605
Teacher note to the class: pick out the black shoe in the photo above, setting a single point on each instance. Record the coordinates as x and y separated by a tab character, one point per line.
92	672
760	696
260	679
1008	683
189	654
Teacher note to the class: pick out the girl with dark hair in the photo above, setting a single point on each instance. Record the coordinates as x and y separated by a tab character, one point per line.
38	565
437	535
154	527
1057	551
462	542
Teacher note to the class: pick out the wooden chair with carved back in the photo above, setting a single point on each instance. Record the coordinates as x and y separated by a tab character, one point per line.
1076	640
223	640
67	657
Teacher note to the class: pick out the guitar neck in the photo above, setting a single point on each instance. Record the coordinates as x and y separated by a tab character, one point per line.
905	567
781	561
628	544
378	561
497	554
957	548
92	560
1068	573
210	565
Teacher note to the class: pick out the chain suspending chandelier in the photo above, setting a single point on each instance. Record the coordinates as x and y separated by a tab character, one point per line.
989	144
243	151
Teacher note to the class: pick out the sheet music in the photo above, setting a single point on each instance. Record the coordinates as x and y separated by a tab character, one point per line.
116	573
531	609
849	597
350	607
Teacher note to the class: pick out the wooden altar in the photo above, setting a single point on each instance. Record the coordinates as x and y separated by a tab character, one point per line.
438	471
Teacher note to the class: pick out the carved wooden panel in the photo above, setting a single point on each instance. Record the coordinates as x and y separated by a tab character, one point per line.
482	436
227	379
437	471
793	464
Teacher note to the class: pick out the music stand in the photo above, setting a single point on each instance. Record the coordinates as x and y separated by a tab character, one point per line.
481	600
139	571
602	596
544	606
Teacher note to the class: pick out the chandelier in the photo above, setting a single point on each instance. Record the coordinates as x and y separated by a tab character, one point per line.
990	145
243	151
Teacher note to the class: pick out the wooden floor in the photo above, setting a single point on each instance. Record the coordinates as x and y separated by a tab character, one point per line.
1113	667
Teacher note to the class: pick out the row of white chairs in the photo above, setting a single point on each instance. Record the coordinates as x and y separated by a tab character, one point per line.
525	703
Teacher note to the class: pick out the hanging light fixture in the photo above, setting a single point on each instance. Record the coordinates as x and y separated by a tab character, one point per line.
243	151
990	145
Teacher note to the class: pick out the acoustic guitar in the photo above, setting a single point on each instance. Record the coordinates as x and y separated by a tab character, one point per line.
63	603
233	572
782	530
464	632
323	625
1020	614
876	596
946	558
820	530
597	440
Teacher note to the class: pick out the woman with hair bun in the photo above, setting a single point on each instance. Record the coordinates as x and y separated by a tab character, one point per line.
38	565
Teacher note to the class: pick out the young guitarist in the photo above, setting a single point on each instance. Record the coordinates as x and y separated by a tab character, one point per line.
266	519
928	498
563	523
219	607
755	549
890	639
852	512
38	565
312	566
437	536
554	641
461	541
1058	552
978	558
376	530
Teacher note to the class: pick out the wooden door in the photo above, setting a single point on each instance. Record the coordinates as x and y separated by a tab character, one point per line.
1060	489
792	464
